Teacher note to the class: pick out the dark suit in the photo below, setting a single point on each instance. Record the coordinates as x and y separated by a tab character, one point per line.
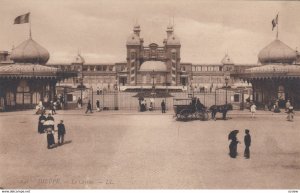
61	132
89	107
163	107
247	141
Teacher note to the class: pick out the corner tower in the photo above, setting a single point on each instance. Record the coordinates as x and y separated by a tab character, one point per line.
134	47
172	46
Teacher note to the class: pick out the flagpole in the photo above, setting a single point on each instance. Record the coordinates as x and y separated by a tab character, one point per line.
277	25
29	26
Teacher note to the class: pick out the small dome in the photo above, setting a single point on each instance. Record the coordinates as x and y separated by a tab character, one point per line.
173	40
78	60
153	65
30	52
227	60
277	52
133	39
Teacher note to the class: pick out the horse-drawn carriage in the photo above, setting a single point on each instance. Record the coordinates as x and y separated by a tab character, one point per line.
189	109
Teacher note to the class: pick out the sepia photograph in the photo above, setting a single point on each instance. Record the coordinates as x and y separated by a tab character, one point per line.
149	94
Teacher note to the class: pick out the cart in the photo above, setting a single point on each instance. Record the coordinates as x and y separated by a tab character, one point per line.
188	109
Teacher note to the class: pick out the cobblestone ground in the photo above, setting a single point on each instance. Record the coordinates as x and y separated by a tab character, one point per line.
149	150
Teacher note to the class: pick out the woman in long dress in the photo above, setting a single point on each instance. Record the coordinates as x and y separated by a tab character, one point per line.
50	138
233	143
49	128
42	120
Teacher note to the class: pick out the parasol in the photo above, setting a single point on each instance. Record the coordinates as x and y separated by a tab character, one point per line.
232	134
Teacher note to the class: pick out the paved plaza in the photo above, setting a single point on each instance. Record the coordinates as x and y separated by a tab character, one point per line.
120	149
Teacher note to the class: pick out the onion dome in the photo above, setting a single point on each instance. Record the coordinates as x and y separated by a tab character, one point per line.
173	40
227	60
30	52
153	66
133	39
277	52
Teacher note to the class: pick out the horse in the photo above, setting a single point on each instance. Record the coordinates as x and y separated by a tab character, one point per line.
221	109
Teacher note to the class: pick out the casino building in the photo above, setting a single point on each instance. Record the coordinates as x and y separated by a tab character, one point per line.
153	64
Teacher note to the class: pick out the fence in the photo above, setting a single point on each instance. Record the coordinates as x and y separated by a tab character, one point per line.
128	101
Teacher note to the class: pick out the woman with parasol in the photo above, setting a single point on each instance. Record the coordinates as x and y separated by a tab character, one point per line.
233	143
49	129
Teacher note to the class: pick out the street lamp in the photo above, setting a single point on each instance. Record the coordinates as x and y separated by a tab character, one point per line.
192	88
81	86
116	95
153	75
226	84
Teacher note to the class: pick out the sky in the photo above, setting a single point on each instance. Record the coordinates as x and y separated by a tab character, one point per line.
99	28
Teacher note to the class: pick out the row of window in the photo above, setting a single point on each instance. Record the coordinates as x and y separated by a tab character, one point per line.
89	68
207	68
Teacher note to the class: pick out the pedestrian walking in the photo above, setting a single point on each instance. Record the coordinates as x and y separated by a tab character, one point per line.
53	107
89	107
61	131
98	105
290	113
253	110
287	105
42	119
247	141
163	106
50	138
233	144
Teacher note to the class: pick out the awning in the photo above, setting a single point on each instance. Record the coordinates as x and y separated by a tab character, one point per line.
153	95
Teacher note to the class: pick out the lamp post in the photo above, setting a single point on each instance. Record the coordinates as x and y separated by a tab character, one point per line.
153	93
116	95
153	79
192	88
81	87
226	84
92	96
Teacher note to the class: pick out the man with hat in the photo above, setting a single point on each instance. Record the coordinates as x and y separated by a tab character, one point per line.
247	141
61	131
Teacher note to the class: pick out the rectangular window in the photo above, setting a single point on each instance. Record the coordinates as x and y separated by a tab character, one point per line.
19	98
27	98
236	98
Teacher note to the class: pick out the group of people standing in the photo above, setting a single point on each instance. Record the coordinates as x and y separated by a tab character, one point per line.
46	125
234	142
143	105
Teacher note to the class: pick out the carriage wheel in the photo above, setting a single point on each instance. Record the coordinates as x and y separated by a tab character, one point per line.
184	114
203	116
198	115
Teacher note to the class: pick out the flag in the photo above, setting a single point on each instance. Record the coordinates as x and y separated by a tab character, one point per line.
274	22
22	19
